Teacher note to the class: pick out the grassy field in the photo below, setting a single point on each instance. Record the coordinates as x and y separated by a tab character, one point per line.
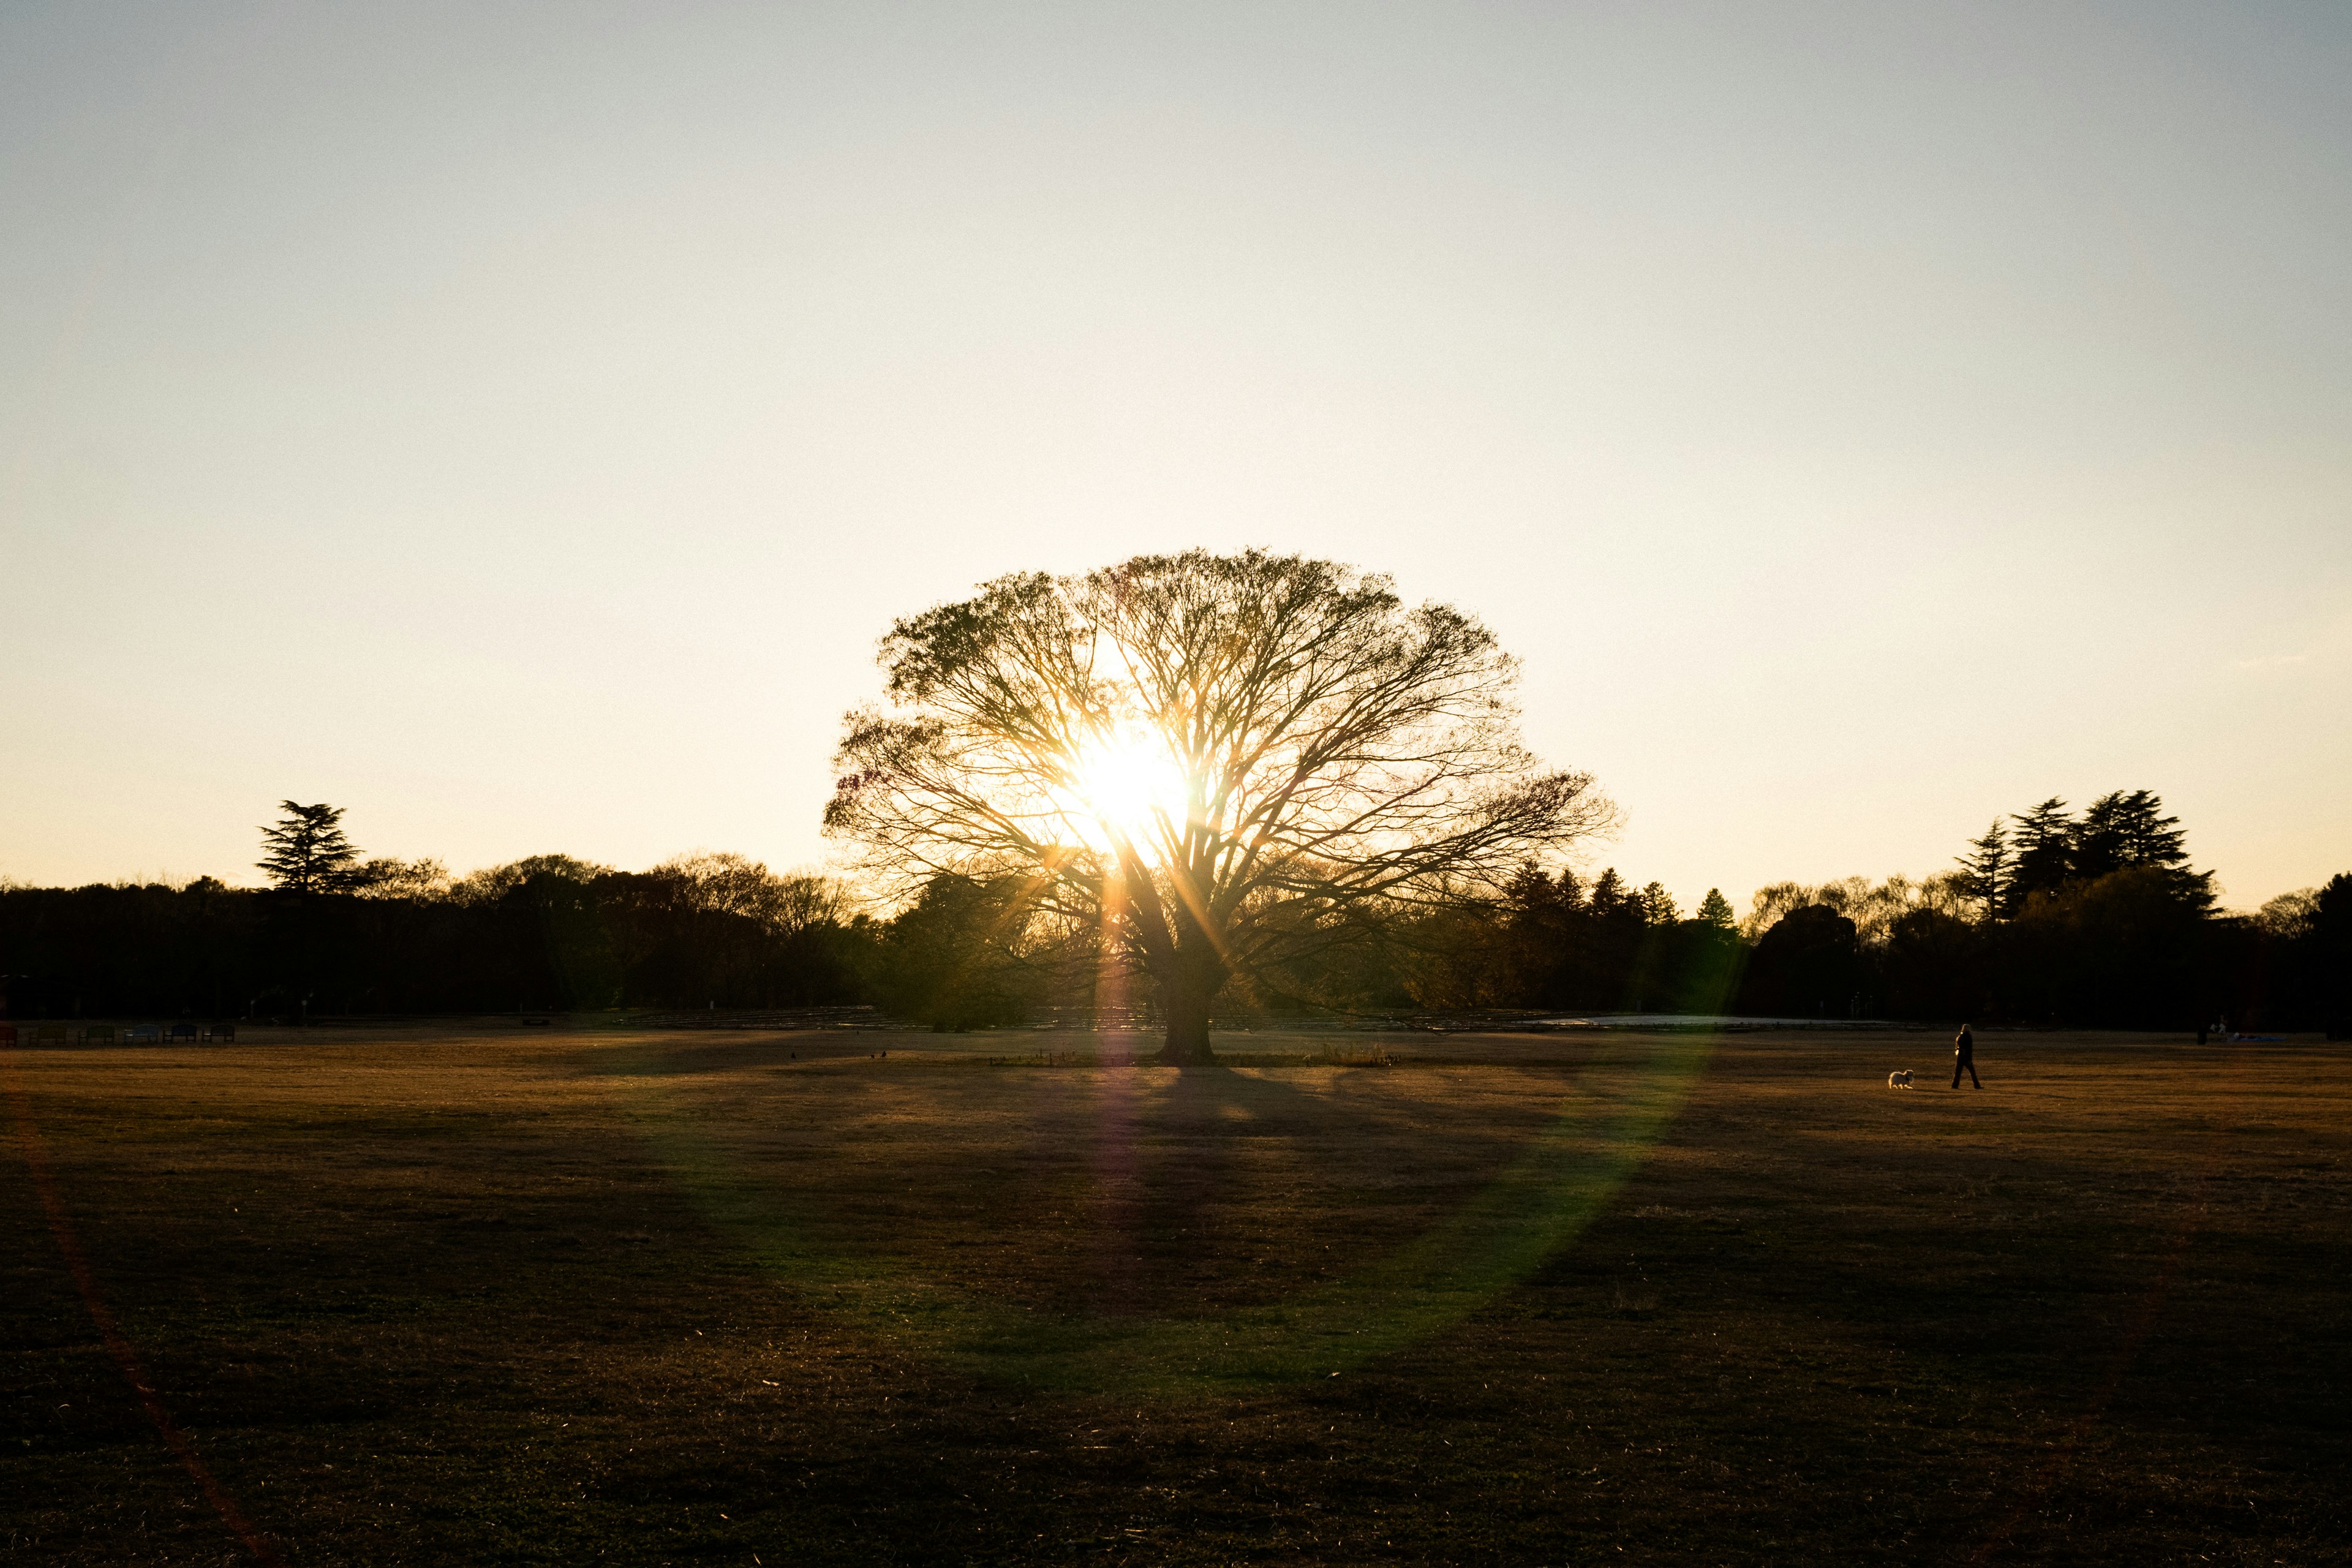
486	1295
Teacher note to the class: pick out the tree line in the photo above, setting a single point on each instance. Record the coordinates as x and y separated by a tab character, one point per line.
2088	919
1204	785
336	934
2091	919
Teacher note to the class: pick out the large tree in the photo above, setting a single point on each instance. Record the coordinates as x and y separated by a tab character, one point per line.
2042	855
1216	763
1985	871
307	851
2121	831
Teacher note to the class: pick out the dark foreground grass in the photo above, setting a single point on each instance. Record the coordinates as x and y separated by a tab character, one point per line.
475	1296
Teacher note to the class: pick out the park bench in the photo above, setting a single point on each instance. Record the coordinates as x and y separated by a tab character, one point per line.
222	1034
98	1034
143	1032
7	1034
50	1034
183	1032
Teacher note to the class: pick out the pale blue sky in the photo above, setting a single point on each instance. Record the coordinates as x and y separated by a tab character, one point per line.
517	423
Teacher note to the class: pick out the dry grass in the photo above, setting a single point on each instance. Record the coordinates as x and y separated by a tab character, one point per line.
452	1296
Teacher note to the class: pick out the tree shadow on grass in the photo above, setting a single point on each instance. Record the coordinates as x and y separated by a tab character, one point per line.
1166	1160
698	1057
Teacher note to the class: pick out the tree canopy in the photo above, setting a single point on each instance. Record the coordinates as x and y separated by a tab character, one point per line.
1210	764
2053	851
307	851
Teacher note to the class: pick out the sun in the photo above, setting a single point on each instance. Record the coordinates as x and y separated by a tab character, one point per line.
1127	786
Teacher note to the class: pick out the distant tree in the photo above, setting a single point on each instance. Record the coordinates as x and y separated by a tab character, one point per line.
2290	916
786	904
1522	962
1985	871
306	850
559	916
1222	764
954	959
386	877
1609	896
1808	965
1932	964
1615	932
1693	965
2043	854
1872	908
2330	940
2117	830
1658	905
2121	832
2123	947
1768	905
493	883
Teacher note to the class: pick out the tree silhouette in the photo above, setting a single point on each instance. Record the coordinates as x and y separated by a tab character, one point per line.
1985	871
1217	764
2330	940
2120	832
2045	848
1808	965
306	851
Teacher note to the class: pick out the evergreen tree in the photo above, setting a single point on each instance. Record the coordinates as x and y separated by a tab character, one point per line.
1658	905
2119	832
2045	850
1615	929
2149	837
1985	871
1610	895
2099	838
306	851
2328	948
1714	910
1530	889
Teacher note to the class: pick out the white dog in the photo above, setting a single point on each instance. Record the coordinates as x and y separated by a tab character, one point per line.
1899	1079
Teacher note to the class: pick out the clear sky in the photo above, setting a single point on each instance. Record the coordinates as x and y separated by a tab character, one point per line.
515	424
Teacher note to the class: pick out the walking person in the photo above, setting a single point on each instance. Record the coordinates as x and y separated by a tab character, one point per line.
1964	1057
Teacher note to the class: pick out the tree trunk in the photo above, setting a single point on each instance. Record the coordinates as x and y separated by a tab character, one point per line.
1185	995
1188	1030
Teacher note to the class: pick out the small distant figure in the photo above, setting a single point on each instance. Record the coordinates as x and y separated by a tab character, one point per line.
1964	1057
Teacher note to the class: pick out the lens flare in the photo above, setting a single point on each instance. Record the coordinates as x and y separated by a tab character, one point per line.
1418	1288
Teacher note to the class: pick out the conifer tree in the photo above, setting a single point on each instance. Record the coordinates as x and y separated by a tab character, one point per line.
1714	910
306	851
2122	832
1985	871
2099	838
1610	895
1531	890
2044	854
1658	905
